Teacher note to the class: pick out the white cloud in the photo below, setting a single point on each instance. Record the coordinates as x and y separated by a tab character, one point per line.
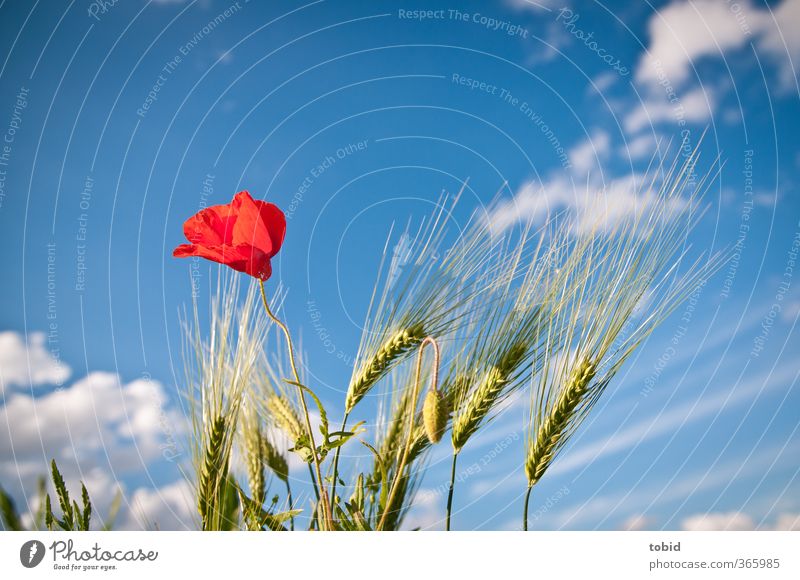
731	521
643	146
589	206
641	499
28	363
602	82
170	507
684	32
695	106
638	523
586	155
534	5
738	521
772	40
96	415
787	523
97	429
426	512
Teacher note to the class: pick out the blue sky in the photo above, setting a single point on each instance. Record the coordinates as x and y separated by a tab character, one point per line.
120	122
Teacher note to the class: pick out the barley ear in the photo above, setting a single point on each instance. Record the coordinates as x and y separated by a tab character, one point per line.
285	416
543	448
211	471
490	389
400	343
255	460
275	460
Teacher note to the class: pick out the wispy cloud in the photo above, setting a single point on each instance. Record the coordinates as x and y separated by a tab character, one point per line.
675	418
642	499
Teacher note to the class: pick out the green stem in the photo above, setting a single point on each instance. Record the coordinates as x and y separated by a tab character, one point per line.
316	493
525	509
450	492
289	498
336	461
326	508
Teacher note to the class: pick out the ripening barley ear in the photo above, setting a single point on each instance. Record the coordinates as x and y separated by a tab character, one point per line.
212	471
483	398
423	291
543	448
601	317
285	415
255	458
398	344
218	372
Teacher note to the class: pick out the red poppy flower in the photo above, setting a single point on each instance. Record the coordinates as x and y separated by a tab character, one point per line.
244	234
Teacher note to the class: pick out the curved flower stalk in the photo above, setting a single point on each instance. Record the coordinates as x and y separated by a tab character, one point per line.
616	287
424	289
412	413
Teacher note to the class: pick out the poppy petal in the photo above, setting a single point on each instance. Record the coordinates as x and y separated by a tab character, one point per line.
275	222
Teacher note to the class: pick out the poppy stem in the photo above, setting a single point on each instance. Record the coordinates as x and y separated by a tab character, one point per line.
415	395
326	508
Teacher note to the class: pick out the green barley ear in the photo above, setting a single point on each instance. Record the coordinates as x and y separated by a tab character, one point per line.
398	344
275	460
211	473
285	416
481	400
254	455
544	446
434	415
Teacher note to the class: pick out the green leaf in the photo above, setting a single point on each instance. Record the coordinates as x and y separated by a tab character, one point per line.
38	518
229	504
11	519
63	497
87	507
384	475
323	416
113	511
49	519
357	499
